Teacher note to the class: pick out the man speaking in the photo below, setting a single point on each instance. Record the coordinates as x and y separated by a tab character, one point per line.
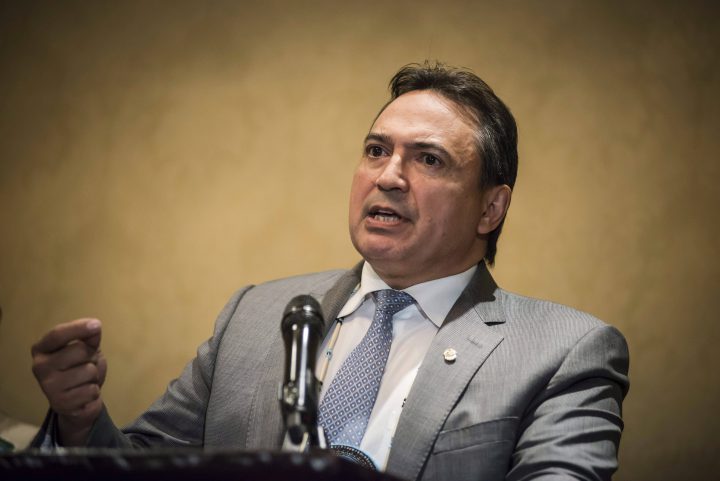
427	366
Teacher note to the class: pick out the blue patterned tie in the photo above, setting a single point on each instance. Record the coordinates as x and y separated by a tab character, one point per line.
349	400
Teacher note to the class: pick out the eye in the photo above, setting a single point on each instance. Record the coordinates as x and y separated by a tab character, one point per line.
430	160
374	151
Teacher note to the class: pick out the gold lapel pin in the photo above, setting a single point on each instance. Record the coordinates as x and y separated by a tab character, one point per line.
450	354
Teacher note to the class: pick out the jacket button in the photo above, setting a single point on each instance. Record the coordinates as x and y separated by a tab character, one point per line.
450	355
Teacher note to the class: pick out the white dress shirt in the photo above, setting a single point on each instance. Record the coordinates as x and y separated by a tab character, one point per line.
413	330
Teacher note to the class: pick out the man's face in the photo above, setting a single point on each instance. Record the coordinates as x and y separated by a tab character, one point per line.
415	201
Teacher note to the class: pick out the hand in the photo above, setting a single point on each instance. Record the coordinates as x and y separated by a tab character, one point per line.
70	369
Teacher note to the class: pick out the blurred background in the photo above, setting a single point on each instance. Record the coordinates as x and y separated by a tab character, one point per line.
157	155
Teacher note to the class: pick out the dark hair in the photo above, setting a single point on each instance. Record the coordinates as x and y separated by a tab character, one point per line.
496	128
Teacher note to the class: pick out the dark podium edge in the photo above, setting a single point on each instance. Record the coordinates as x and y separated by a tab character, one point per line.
181	464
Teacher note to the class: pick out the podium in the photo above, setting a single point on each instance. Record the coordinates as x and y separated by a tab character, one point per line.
181	464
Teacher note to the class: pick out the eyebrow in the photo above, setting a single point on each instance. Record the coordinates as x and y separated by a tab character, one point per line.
386	139
372	136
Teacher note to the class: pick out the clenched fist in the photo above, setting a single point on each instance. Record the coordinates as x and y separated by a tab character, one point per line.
70	369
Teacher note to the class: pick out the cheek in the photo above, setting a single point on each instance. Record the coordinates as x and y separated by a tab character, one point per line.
358	192
446	213
362	181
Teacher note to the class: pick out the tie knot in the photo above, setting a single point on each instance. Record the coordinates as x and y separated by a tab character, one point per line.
390	301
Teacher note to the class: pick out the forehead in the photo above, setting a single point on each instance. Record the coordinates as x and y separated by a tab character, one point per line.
424	115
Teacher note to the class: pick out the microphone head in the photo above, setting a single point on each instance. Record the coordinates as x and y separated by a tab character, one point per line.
302	309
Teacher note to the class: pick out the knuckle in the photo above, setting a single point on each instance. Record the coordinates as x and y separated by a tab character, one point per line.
94	391
91	369
52	336
41	372
91	392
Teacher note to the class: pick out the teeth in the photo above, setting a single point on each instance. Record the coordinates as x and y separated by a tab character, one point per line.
386	217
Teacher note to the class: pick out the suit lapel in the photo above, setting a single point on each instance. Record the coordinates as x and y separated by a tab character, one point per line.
335	298
439	384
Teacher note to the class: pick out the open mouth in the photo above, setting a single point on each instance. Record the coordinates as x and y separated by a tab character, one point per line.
382	214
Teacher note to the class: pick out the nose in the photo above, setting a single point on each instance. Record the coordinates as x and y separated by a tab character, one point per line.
391	176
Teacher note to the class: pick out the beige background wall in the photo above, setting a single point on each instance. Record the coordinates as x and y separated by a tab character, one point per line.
155	156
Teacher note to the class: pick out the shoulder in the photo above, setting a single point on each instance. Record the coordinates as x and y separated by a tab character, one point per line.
305	279
316	283
271	296
560	341
253	305
546	322
527	309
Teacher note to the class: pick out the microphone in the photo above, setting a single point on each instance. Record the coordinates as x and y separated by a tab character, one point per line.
301	328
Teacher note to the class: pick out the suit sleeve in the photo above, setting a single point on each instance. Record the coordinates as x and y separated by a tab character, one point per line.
177	418
572	429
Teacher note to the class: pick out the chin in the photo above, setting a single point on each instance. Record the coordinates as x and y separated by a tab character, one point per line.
382	259
369	245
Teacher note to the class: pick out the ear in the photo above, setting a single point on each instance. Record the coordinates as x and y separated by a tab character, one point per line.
496	201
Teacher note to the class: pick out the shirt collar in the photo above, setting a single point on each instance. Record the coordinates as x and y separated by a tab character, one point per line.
434	298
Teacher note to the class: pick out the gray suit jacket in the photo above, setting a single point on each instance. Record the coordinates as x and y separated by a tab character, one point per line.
535	392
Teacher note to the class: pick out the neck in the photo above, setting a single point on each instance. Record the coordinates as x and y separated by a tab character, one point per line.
399	281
